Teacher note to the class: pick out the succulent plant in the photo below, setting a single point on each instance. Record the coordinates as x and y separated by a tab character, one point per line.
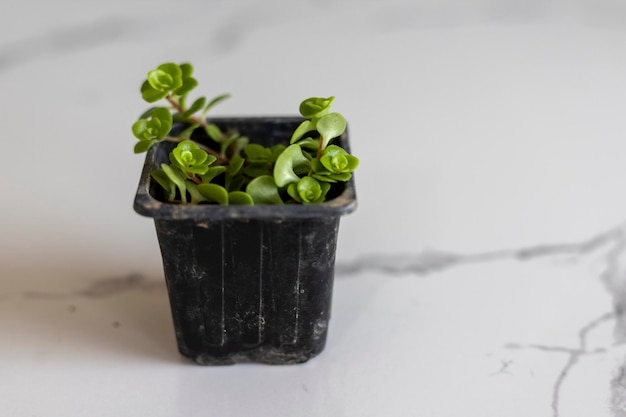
234	171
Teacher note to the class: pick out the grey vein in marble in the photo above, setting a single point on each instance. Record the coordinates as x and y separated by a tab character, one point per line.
106	287
430	261
618	389
504	369
574	356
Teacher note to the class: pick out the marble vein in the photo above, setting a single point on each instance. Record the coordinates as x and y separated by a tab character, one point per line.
504	368
574	355
431	261
107	287
618	391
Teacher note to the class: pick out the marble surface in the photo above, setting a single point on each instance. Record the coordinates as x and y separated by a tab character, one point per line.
488	278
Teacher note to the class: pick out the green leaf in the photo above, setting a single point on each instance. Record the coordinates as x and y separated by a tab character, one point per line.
292	190
309	144
182	101
343	177
276	151
212	173
263	190
214	132
225	144
257	170
318	168
215	193
186	70
188	84
210	159
321	173
188	131
164	115
291	158
179	118
336	160
139	128
188	153
304	128
240	198
199	170
160	80
196	197
156	126
150	94
163	180
171	68
330	126
308	191
323	178
239	144
161	113
168	76
177	178
235	164
236	183
143	146
215	101
332	177
315	107
256	153
188	156
325	189
197	105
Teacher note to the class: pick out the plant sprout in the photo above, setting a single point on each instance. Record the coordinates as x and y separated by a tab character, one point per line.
234	171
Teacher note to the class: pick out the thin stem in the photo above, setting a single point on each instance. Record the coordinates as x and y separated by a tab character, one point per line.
319	150
176	104
195	179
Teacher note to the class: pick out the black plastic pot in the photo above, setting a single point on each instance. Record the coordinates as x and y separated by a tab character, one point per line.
248	283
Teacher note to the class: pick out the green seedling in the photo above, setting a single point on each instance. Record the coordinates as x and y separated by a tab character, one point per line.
230	170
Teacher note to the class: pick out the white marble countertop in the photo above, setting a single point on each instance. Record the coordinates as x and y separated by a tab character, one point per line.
487	280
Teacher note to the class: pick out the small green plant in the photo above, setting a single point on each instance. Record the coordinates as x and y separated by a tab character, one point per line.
232	170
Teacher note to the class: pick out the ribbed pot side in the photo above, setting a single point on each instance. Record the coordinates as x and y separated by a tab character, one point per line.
256	290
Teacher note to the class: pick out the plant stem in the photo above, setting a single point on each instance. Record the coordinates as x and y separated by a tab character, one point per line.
319	150
194	178
175	103
202	122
